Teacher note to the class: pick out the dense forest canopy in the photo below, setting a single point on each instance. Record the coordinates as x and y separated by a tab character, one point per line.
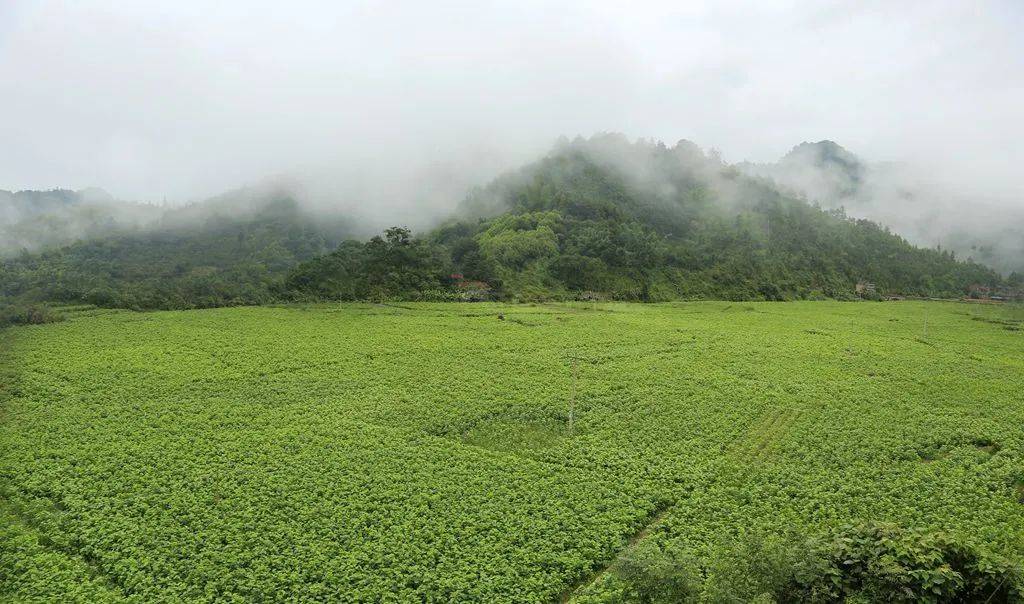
228	251
600	217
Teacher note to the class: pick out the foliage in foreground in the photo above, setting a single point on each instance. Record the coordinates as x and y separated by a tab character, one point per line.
855	563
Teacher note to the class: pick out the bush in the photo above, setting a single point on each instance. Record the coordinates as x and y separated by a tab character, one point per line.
653	575
34	314
882	562
868	562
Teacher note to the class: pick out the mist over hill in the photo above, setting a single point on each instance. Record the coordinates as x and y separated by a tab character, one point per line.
910	198
601	217
35	220
227	250
637	220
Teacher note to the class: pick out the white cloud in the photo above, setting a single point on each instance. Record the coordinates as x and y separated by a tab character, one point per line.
184	99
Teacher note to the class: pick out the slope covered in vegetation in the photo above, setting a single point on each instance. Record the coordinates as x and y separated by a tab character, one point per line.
227	251
32	221
976	221
637	221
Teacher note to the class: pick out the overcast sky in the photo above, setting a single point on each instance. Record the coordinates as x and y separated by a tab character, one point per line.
186	98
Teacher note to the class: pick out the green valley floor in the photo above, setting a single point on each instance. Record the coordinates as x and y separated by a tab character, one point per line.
490	453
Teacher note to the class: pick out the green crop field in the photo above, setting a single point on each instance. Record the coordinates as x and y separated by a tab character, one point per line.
475	452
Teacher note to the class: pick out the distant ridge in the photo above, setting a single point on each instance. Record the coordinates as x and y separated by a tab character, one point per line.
901	196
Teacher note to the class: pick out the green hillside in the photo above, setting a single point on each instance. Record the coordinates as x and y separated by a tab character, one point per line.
227	251
637	221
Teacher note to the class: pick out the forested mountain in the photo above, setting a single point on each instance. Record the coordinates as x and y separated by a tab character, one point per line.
823	171
637	221
229	250
905	197
36	220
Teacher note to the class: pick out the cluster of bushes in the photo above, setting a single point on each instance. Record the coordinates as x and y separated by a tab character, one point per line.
27	314
393	266
856	563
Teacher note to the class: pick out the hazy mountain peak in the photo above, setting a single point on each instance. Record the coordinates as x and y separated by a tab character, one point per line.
901	195
823	151
95	195
841	167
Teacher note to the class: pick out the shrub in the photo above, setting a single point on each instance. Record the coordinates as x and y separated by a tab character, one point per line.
883	562
869	562
34	314
653	575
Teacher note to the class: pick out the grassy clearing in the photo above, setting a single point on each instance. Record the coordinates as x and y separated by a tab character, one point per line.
424	451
